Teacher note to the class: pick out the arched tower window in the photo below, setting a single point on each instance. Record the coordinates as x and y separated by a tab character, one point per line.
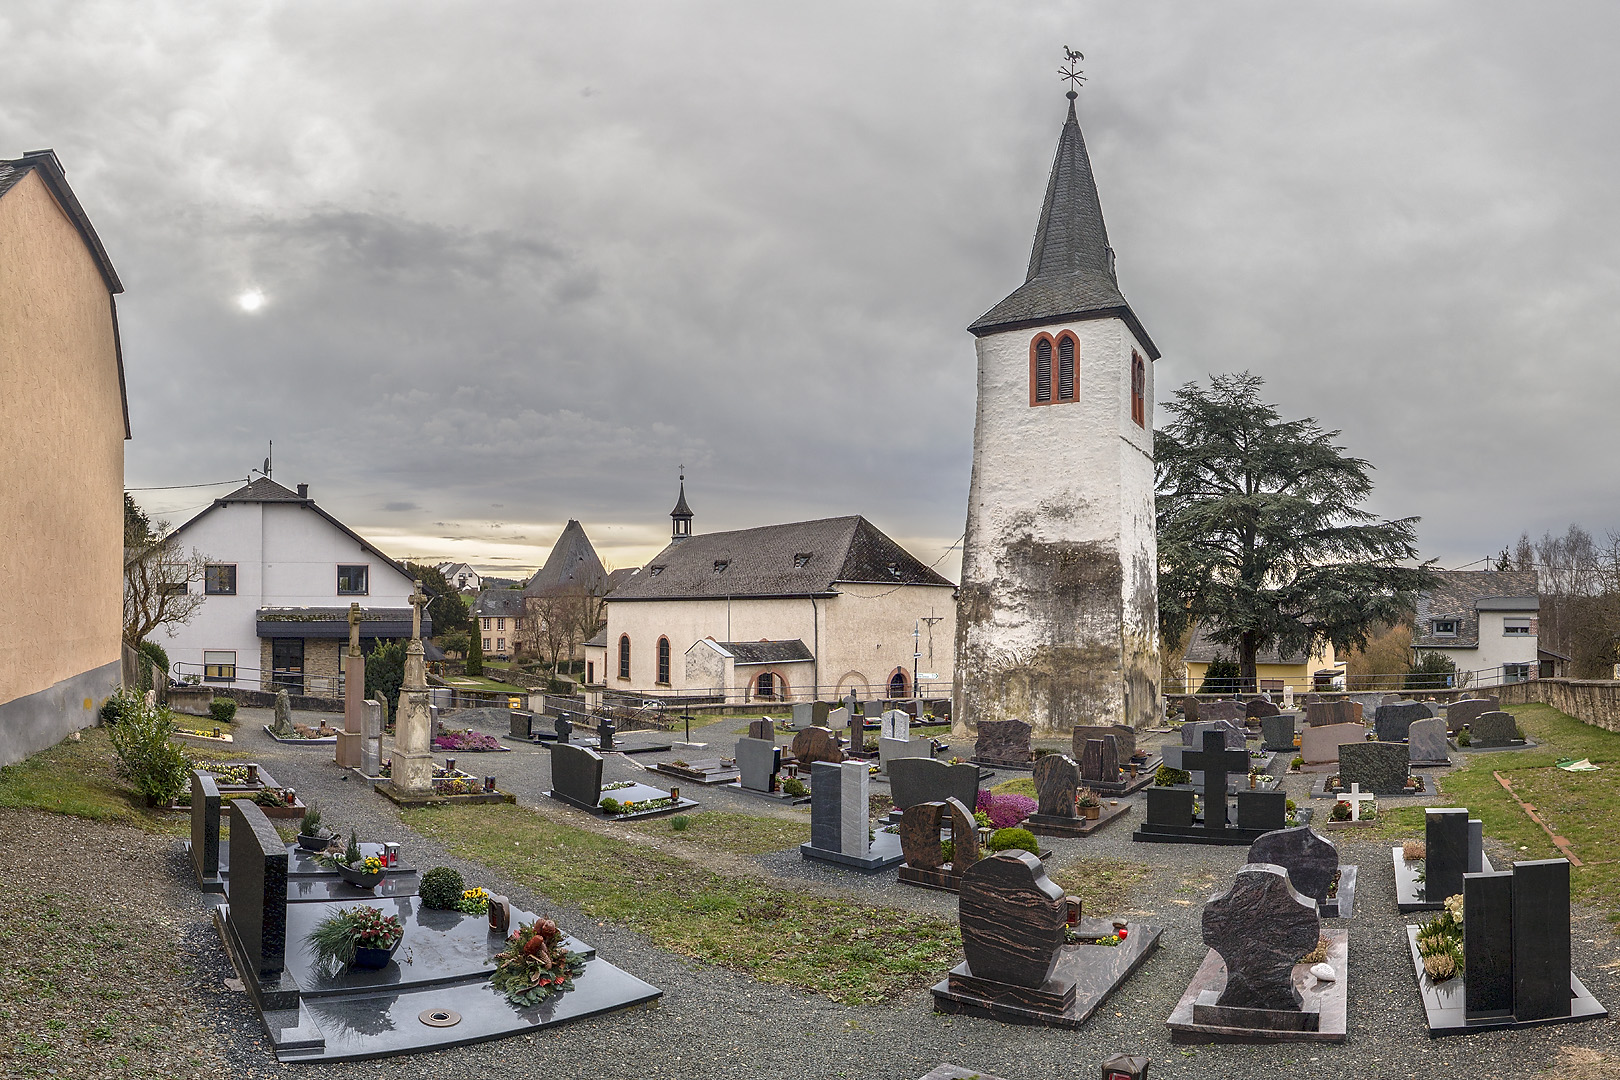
663	660
897	685
765	688
624	656
1054	369
1138	390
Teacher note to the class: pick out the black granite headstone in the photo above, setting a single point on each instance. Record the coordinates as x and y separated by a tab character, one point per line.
604	734
522	721
826	805
576	775
1493	729
1216	761
1381	768
917	780
1391	721
1266	810
1099	763
257	889
1445	856
564	727
205	829
1488	944
1261	927
1277	732
1170	806
1311	860
1541	946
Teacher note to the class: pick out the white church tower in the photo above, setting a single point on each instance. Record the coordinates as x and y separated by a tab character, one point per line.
1057	617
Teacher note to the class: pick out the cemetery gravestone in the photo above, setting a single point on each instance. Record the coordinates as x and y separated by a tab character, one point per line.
1170	806
1261	811
564	729
371	743
412	773
1312	861
1380	768
1488	944
1392	721
758	761
891	749
840	819
605	729
1193	734
282	725
1323	744
1445	860
1168	817
872	710
1124	739
838	719
895	724
1426	742
257	892
1277	732
1013	919
1332	712
576	775
1099	763
1221	710
809	714
522	724
857	735
815	744
205	832
1259	991
1004	742
1459	714
1056	780
763	728
923	851
1260	708
1493	729
918	780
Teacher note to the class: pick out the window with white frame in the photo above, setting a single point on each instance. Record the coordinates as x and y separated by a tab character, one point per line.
1517	627
500	645
486	644
1515	672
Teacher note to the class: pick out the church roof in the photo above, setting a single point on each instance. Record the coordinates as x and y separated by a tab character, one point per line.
1071	267
806	558
572	566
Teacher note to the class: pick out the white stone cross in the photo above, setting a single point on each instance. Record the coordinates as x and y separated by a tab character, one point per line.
1355	797
417	600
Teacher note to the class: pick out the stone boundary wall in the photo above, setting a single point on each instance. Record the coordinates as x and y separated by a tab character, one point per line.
1594	701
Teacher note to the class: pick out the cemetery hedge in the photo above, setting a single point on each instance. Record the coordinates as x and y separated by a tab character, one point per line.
853	953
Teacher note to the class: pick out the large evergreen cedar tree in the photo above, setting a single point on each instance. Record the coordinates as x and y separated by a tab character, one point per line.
1261	533
445	607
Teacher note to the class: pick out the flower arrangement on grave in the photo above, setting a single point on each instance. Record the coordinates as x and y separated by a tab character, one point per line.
1414	851
629	806
1440	942
441	888
336	939
617	785
1165	776
1463	738
535	965
474	901
1086	799
1013	840
474	741
275	797
456	785
352	860
1340	812
312	834
386	769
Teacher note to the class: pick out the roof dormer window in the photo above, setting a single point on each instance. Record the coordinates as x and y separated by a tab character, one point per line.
801	560
720	565
894	570
1445	628
654	571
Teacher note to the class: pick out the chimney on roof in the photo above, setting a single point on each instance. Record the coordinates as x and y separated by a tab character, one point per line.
303	491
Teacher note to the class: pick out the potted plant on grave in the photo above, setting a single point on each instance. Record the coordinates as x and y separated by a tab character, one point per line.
535	965
1090	806
361	937
312	835
361	871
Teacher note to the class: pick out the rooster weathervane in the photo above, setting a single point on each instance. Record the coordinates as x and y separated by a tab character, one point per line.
1072	73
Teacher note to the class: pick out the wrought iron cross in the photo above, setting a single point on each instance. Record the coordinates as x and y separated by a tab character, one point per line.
417	599
1072	73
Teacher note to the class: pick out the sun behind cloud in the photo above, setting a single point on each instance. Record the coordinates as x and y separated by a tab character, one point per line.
250	300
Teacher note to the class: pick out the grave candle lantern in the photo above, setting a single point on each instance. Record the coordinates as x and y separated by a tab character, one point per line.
675	793
390	854
1125	1067
253	774
450	765
489	784
1072	910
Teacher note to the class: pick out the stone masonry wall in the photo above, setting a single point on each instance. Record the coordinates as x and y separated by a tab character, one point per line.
1595	701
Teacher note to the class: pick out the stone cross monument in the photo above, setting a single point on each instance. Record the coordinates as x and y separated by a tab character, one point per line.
349	751
413	757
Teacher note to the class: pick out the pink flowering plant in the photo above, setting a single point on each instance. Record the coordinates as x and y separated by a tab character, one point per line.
1005	811
466	740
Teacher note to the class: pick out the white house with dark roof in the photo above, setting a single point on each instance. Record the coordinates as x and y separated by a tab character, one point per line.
282	573
461	576
1485	621
778	613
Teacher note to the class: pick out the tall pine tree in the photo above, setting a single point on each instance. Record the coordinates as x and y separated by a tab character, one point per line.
1261	533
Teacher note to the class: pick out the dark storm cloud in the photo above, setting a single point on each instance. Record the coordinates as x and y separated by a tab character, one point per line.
539	255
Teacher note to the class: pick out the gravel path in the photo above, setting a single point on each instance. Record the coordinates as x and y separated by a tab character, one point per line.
715	1024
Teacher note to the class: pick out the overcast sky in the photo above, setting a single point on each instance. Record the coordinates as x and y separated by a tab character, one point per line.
512	263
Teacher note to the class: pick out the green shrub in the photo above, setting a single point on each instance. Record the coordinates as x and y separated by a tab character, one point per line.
1464	739
1166	776
153	663
1291	805
610	805
680	822
947	850
120	704
441	888
223	710
1222	676
157	767
795	787
475	651
1433	671
1013	839
1298	762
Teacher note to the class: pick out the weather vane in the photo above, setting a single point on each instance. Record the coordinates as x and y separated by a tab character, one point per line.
1071	73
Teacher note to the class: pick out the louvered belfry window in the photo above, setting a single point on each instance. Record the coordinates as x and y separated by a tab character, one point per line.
1065	369
1043	371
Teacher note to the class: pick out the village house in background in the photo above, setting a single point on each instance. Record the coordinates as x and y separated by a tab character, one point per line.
1058	611
777	613
281	577
1486	622
462	578
499	615
1275	671
63	422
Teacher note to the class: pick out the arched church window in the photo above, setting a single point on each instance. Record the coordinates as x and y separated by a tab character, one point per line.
1138	390
1054	369
766	687
1041	392
624	656
897	685
663	659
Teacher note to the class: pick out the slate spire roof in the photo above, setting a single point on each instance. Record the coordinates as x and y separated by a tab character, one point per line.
572	566
681	509
1071	267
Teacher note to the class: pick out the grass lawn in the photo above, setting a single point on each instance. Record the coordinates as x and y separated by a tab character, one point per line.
80	778
853	953
478	682
740	834
1578	806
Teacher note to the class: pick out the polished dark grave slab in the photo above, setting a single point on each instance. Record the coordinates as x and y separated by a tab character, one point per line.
1446	1014
701	770
1056	825
633	793
1410	894
1454	846
1325	788
1170	818
308	880
1095	972
1328	1001
1527	744
883	854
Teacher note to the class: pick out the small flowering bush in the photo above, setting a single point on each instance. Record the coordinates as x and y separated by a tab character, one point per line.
335	938
466	740
535	965
473	901
1005	811
1440	942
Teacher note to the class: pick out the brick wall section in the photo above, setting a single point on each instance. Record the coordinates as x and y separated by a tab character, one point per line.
1595	701
321	662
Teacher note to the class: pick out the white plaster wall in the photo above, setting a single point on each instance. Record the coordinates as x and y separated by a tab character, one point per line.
1078	472
286	556
1495	648
869	629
